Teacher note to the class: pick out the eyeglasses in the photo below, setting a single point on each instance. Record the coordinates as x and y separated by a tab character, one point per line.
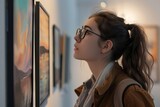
81	33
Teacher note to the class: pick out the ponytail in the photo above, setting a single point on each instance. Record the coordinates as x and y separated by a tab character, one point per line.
128	42
134	59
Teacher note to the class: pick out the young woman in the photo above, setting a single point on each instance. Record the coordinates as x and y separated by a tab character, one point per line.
102	40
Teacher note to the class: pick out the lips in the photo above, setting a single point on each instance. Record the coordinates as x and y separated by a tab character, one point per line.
75	48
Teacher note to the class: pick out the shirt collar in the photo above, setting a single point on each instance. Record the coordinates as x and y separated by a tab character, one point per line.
104	86
101	89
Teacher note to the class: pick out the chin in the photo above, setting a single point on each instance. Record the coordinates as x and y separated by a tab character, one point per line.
77	57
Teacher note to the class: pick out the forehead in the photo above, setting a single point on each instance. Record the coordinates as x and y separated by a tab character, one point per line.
91	23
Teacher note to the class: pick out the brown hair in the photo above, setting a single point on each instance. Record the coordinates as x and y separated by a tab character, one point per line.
129	42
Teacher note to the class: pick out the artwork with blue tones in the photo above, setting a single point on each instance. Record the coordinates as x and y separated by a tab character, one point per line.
19	52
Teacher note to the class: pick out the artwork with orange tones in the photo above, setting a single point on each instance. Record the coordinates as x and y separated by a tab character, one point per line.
42	60
63	58
152	45
19	53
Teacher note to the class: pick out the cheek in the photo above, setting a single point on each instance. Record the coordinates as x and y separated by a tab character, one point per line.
90	51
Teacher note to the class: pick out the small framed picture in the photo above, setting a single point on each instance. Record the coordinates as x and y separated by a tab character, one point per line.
56	55
63	53
42	50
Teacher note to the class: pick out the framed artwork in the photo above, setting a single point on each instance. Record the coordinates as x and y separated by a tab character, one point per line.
19	40
63	44
56	55
152	44
42	59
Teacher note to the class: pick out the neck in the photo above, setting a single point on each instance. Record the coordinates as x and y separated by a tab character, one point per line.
97	66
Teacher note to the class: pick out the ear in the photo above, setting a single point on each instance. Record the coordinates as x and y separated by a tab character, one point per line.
106	46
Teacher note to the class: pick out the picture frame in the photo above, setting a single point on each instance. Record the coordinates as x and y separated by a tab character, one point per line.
63	53
56	55
42	53
152	45
19	50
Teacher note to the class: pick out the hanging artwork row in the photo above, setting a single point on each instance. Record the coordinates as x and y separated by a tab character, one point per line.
28	54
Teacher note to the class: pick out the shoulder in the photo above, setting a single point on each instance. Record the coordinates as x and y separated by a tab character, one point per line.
135	96
78	90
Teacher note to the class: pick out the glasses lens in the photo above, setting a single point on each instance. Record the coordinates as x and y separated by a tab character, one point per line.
81	33
78	32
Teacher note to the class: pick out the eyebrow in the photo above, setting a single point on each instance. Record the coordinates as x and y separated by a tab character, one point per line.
87	27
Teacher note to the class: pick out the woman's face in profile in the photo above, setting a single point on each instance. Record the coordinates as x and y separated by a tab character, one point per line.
87	48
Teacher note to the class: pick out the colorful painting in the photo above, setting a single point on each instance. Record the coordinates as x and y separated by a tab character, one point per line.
42	54
152	37
19	34
22	53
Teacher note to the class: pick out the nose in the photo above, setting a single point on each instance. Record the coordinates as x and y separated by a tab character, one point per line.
77	39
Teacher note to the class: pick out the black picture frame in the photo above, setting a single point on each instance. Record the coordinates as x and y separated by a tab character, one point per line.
56	55
19	52
42	52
